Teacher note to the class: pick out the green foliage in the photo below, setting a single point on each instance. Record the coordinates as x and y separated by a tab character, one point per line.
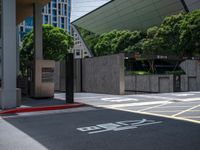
152	44
190	33
90	38
141	72
56	43
117	41
169	32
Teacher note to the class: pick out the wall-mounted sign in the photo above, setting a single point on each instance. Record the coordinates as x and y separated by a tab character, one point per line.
117	126
47	74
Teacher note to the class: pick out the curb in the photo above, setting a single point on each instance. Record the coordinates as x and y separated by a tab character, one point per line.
41	108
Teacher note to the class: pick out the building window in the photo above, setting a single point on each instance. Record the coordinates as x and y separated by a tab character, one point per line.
46	19
77	52
55	19
54	5
55	24
21	29
29	21
62	26
54	12
62	20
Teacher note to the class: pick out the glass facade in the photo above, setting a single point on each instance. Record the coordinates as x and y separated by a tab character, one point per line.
56	13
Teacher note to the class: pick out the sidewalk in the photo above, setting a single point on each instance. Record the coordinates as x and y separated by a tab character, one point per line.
33	105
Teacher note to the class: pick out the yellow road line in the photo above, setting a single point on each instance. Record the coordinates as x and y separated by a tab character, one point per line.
154	107
185	111
192	117
158	115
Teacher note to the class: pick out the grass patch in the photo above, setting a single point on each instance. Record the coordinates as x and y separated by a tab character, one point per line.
138	73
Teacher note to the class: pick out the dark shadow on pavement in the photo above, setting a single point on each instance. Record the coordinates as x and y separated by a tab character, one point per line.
30	102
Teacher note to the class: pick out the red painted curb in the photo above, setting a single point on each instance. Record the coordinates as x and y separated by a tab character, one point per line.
41	108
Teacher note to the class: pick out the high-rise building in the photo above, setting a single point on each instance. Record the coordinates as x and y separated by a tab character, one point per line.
56	13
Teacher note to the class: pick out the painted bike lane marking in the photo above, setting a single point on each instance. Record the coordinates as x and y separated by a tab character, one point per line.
117	126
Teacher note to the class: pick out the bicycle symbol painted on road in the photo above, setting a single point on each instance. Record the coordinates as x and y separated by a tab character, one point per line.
117	126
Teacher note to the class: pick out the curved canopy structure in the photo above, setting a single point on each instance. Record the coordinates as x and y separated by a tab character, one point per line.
133	14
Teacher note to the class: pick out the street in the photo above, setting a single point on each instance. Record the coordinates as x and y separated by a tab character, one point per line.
103	128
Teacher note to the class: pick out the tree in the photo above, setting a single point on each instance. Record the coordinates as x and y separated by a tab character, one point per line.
117	41
181	35
56	44
90	38
190	33
152	45
169	31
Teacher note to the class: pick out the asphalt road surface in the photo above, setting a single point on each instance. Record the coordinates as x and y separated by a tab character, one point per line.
182	106
90	128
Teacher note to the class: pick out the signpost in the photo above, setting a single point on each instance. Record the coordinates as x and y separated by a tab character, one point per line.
69	78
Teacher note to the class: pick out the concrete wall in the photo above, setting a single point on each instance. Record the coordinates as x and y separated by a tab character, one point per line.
190	81
149	83
106	75
165	83
99	75
103	74
77	75
59	76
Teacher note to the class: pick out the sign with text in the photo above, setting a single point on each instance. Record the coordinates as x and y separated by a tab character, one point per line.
47	74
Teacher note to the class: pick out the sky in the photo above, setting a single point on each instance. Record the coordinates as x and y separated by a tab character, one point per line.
82	7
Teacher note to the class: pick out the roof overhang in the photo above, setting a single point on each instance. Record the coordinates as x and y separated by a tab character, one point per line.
132	14
24	8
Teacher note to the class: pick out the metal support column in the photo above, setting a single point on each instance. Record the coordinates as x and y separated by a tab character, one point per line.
185	6
69	79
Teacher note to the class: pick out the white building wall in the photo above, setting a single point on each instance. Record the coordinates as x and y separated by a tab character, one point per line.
80	48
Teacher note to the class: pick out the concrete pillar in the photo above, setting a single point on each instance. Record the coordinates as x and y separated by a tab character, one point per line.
38	46
18	51
8	94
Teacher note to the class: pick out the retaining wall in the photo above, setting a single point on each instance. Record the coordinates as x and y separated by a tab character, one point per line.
165	83
103	74
149	83
190	81
97	75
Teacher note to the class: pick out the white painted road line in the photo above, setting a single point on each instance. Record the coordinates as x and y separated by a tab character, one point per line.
191	99
117	126
158	97
155	106
136	104
118	99
185	111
